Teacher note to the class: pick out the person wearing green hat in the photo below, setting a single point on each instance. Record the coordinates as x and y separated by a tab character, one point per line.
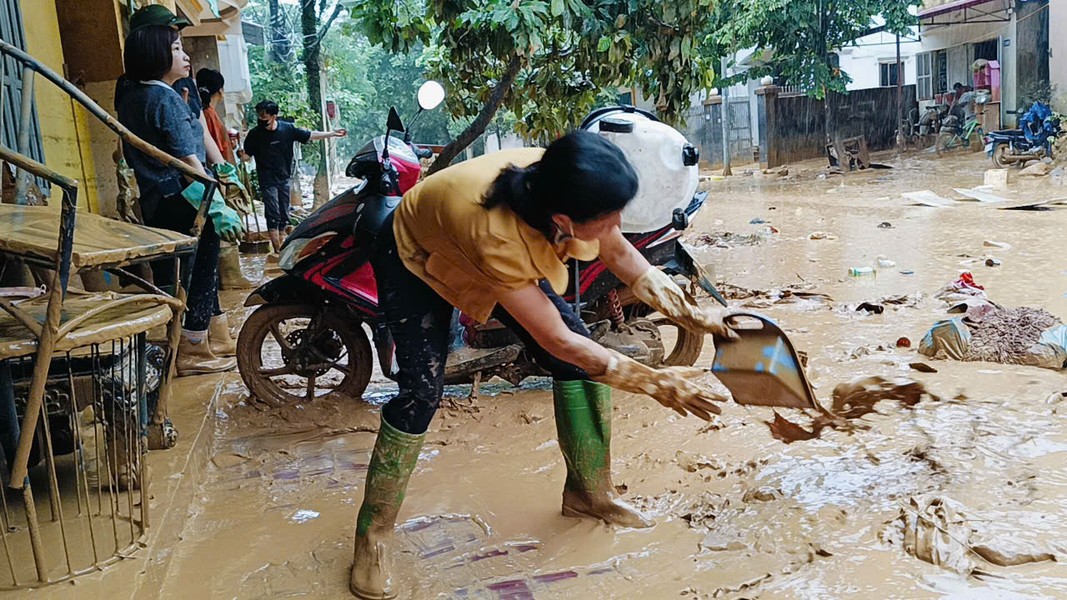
154	111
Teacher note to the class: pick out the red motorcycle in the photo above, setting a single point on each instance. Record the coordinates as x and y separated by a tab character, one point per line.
309	338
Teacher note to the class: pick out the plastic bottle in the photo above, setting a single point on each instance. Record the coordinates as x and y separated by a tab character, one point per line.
862	271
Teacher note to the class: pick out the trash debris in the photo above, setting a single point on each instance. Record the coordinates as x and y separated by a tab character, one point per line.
922	367
907	272
885	263
979	195
726	239
1036	170
821	235
993	244
996	178
993	262
757	221
885	225
928	198
876	309
938	530
903	343
861	271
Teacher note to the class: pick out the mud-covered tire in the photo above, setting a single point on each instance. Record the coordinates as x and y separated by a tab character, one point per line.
1000	149
349	333
687	346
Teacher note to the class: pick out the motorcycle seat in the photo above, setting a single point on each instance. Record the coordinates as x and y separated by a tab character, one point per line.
1008	132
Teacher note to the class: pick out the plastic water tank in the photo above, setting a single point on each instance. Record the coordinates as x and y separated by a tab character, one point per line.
664	160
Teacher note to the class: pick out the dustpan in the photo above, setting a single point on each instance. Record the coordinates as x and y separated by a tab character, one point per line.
761	368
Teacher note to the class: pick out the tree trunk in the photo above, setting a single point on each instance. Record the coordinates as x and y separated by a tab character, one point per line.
277	38
481	122
309	26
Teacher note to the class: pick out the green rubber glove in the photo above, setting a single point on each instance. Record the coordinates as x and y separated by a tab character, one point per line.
226	220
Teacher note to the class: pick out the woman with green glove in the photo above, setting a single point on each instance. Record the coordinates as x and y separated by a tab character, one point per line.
155	112
490	236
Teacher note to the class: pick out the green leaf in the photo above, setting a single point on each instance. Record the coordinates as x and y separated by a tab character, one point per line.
557	8
603	44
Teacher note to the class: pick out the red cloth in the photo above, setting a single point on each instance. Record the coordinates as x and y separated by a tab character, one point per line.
966	280
218	133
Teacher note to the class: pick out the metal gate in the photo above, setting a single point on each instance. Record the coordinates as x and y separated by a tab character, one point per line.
739	125
703	129
11	92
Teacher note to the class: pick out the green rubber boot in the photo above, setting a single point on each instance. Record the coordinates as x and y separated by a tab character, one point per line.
394	457
583	423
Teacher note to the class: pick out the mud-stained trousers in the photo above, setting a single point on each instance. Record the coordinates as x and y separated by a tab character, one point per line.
419	320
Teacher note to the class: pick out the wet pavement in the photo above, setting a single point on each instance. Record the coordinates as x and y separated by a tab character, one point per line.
922	501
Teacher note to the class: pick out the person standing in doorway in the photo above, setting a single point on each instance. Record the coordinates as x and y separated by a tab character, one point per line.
271	143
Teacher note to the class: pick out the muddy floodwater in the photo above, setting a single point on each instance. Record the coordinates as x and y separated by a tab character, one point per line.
959	496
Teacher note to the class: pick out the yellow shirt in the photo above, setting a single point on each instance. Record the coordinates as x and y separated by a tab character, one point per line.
470	255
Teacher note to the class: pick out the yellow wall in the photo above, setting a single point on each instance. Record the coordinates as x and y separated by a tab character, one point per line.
64	128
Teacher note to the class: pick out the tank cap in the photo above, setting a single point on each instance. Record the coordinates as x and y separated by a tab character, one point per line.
616	125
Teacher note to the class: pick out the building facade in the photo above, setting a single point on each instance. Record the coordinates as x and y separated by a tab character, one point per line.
83	41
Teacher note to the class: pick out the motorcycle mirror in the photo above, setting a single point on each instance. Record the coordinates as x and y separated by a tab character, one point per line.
394	123
431	94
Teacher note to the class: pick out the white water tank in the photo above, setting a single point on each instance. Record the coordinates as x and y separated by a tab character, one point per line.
666	165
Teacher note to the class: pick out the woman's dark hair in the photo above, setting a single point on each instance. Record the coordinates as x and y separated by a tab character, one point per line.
581	175
208	83
148	55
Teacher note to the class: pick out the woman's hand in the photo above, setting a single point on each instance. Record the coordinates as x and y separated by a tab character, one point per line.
656	289
673	387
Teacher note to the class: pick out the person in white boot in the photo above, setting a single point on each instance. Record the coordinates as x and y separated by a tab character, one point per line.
153	110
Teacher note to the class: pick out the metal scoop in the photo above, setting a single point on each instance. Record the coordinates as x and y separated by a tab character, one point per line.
761	368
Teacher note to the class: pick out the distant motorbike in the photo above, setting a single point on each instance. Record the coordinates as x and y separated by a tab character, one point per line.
308	336
1038	130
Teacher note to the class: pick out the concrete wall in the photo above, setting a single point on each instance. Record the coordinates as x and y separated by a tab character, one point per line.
793	128
862	60
1058	53
64	128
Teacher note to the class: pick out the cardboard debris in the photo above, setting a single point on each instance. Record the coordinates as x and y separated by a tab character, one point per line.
928	198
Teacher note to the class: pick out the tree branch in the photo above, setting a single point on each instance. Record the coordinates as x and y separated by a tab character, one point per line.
479	124
329	22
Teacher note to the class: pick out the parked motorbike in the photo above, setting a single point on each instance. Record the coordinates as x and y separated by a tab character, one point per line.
308	336
1038	129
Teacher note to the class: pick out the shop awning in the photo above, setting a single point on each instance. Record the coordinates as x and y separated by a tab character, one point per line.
959	12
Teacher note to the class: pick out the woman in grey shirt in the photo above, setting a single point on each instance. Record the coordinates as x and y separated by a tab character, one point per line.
155	112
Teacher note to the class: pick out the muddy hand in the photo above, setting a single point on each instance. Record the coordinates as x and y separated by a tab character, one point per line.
656	289
672	387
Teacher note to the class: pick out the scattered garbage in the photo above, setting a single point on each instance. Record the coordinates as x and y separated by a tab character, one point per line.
871	308
991	333
993	244
726	239
885	225
757	221
862	271
928	198
1036	170
821	235
979	195
997	178
885	263
993	262
903	343
907	272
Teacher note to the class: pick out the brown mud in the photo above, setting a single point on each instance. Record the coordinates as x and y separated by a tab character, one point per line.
962	495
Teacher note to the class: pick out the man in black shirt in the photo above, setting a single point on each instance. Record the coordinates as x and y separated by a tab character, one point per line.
271	144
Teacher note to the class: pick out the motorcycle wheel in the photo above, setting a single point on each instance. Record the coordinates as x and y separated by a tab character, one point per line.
1000	152
687	345
280	364
944	143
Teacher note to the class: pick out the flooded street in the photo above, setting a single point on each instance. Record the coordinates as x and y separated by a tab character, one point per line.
914	502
